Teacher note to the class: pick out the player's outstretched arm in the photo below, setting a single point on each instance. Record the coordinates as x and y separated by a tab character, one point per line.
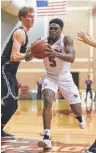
86	38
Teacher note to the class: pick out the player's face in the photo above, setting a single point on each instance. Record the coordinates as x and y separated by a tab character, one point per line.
54	30
29	19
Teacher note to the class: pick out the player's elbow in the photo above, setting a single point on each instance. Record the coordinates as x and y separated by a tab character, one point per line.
13	59
72	59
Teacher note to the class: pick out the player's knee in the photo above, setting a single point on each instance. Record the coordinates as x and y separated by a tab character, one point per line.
16	106
47	102
48	99
47	105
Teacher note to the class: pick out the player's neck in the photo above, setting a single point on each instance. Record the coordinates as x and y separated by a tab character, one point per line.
51	40
25	28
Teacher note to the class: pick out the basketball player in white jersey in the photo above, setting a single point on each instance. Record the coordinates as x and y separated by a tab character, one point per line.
57	64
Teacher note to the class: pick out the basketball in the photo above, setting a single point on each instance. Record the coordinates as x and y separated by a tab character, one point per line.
38	49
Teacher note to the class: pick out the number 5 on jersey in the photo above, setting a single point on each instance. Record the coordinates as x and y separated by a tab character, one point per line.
52	61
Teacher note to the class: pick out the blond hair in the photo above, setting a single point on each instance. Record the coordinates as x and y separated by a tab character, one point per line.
24	10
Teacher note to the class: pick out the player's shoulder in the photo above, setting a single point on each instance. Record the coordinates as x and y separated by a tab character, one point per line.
19	32
68	40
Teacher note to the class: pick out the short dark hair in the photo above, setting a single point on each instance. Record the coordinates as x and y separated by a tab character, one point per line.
57	21
23	11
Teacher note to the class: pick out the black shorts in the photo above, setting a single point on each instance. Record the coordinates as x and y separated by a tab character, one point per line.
9	86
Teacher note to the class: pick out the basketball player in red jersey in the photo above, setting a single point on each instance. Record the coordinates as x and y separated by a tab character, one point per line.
60	54
14	52
86	38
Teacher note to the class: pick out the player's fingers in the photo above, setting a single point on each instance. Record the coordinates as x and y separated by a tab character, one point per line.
88	34
47	54
80	39
48	49
82	33
29	49
49	46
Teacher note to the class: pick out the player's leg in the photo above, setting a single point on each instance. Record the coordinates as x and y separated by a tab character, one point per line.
77	110
47	110
86	95
49	88
95	100
95	96
70	92
75	104
40	92
48	96
91	94
7	110
92	148
37	93
9	102
86	99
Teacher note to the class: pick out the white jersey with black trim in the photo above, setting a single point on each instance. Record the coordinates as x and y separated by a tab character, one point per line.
54	65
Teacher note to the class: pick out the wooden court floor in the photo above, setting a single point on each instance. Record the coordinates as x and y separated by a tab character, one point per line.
67	137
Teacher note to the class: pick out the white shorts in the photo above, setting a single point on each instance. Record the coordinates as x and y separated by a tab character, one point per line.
65	84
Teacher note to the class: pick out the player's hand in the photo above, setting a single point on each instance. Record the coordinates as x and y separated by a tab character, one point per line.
84	37
49	51
28	56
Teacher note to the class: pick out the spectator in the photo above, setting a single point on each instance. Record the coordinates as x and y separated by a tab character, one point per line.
88	87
